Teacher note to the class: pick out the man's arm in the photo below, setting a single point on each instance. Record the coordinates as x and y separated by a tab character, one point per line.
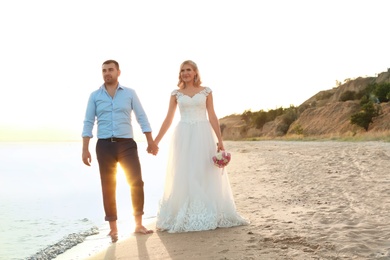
86	155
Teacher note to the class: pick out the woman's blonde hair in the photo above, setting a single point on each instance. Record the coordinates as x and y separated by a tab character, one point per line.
197	79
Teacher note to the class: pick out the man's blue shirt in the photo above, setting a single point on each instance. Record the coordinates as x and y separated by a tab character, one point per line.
113	115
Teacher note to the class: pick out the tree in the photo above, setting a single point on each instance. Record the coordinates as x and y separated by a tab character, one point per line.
260	119
365	116
247	116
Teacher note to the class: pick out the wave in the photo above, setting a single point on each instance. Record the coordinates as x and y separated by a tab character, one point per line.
64	244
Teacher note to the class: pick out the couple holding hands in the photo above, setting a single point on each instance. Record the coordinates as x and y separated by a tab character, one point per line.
196	195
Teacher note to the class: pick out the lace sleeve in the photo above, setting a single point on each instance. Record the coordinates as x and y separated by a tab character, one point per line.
175	93
207	91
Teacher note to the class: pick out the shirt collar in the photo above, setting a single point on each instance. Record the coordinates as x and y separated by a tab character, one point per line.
119	86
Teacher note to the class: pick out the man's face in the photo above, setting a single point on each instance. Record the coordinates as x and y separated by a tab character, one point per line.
110	73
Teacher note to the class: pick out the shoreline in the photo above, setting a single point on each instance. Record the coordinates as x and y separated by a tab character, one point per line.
95	244
304	200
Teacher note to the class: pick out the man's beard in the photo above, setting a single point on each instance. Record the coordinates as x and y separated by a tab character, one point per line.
108	79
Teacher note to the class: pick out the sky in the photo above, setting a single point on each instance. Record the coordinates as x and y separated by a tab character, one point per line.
253	54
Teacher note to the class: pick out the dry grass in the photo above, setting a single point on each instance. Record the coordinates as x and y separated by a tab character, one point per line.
383	136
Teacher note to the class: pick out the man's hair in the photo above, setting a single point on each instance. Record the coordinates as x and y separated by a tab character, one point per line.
112	61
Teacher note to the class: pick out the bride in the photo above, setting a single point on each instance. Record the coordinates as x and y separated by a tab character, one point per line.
196	195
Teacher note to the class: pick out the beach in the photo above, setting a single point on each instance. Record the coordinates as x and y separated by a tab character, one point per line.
51	202
304	200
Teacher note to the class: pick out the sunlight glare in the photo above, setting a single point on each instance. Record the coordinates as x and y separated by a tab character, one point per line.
120	175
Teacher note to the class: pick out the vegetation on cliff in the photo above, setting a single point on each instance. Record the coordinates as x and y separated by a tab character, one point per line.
361	103
370	97
260	118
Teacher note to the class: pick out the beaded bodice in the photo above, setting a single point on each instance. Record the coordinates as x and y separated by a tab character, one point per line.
192	109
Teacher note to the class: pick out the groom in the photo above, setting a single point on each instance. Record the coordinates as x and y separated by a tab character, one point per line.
111	105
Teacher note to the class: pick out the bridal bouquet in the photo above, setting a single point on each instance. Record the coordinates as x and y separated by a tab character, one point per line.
221	159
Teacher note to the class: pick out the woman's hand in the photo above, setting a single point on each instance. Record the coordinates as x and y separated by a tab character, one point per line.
152	148
220	147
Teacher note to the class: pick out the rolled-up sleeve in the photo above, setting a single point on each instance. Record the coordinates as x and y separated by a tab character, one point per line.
140	114
90	116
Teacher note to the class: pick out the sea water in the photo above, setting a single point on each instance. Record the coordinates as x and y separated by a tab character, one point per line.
50	201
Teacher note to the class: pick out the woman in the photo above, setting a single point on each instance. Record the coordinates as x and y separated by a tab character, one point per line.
196	195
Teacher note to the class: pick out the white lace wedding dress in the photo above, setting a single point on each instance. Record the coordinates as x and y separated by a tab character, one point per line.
197	196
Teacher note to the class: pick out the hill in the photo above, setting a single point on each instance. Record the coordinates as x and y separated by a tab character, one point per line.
322	114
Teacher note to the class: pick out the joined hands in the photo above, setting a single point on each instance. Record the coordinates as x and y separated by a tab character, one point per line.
152	148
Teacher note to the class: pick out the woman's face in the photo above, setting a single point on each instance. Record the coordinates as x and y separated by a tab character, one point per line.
187	73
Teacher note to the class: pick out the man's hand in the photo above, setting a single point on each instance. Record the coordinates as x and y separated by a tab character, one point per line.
87	159
152	148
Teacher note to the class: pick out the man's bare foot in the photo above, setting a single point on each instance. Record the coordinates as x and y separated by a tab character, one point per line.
114	236
113	231
142	230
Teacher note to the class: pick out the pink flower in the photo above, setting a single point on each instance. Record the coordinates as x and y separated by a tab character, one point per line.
221	159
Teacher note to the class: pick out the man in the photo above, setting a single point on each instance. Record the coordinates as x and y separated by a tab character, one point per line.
111	105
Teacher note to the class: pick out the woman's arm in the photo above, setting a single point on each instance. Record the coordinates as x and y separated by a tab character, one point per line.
214	121
168	119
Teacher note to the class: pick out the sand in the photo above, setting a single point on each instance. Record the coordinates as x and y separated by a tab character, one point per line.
305	200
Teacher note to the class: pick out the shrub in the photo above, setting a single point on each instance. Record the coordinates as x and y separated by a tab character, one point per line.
282	129
247	116
298	130
365	116
348	95
324	95
260	119
290	115
274	113
222	127
382	91
366	93
303	108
